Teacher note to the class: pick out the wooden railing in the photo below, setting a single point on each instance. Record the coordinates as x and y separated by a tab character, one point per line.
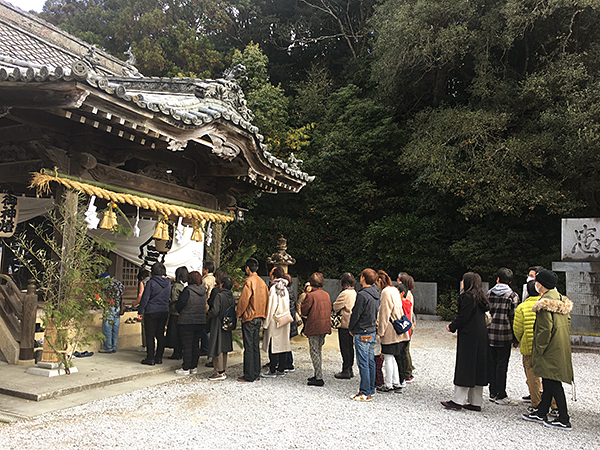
18	311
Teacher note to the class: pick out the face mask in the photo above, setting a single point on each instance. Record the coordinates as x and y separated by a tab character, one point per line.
536	287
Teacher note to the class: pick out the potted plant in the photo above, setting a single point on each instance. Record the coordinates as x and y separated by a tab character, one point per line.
65	262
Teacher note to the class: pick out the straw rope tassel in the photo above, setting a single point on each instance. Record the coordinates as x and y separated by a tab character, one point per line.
42	183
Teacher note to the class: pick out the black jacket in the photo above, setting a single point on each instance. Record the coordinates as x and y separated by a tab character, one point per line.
364	314
192	305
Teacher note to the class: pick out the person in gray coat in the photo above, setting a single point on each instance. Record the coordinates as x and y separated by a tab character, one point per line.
221	341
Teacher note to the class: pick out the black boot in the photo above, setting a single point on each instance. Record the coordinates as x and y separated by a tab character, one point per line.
344	374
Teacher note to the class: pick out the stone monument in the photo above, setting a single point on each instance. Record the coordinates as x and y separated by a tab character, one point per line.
580	255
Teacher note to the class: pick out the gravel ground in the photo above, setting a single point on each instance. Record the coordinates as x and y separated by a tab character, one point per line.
284	413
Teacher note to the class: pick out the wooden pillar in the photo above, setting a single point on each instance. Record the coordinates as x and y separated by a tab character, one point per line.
28	322
71	200
217	238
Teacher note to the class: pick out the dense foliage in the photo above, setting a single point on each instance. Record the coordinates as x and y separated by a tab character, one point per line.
445	135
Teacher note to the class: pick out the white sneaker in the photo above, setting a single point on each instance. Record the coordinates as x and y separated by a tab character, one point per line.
506	401
182	372
194	371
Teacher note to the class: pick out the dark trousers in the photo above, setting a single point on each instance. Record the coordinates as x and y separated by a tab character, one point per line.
346	348
277	361
553	388
251	339
401	361
409	364
173	338
190	340
154	325
204	340
289	360
497	369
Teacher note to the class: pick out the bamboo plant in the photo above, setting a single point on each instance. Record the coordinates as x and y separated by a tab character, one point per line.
65	262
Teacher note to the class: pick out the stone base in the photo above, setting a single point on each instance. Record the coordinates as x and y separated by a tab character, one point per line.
26	362
49	369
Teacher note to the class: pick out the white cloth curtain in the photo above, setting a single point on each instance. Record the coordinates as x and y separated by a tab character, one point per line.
189	253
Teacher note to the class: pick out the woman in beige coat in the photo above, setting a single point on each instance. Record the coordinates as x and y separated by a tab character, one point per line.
344	304
393	345
276	340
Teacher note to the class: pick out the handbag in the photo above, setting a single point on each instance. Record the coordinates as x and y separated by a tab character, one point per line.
488	318
229	319
336	319
283	319
402	325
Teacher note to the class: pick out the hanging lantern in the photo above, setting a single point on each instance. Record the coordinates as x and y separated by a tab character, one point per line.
197	233
109	221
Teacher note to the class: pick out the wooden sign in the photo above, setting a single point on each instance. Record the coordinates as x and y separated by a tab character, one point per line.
9	214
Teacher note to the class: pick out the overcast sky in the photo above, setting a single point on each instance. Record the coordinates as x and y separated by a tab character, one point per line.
28	5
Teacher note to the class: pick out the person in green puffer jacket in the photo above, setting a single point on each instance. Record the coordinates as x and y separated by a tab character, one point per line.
551	350
523	329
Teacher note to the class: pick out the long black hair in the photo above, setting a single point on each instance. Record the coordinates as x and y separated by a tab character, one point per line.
472	285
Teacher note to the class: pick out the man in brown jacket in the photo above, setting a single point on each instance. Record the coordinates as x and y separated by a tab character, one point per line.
252	309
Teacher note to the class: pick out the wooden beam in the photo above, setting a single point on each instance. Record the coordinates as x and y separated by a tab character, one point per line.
121	178
19	172
42	95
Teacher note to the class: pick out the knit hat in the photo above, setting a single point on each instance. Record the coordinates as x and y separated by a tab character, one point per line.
547	278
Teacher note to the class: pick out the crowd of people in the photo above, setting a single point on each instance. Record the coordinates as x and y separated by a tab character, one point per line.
368	315
489	324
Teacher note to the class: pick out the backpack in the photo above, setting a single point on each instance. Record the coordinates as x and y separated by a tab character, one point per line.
229	319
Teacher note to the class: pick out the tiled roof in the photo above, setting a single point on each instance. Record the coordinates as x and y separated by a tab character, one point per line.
29	56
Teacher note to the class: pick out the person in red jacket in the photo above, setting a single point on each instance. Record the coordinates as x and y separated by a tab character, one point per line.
316	307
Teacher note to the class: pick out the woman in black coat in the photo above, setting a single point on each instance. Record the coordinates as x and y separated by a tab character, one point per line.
191	307
470	372
221	342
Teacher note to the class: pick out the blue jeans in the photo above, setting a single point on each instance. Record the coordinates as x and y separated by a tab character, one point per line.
251	338
365	358
110	329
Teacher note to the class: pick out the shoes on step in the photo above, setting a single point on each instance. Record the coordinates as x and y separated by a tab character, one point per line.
554	413
182	372
268	374
451	405
158	360
312	378
194	371
289	369
103	351
209	363
315	382
243	380
175	357
397	388
493	398
409	379
530	409
558	425
472	407
148	362
360	397
527	399
280	373
506	402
